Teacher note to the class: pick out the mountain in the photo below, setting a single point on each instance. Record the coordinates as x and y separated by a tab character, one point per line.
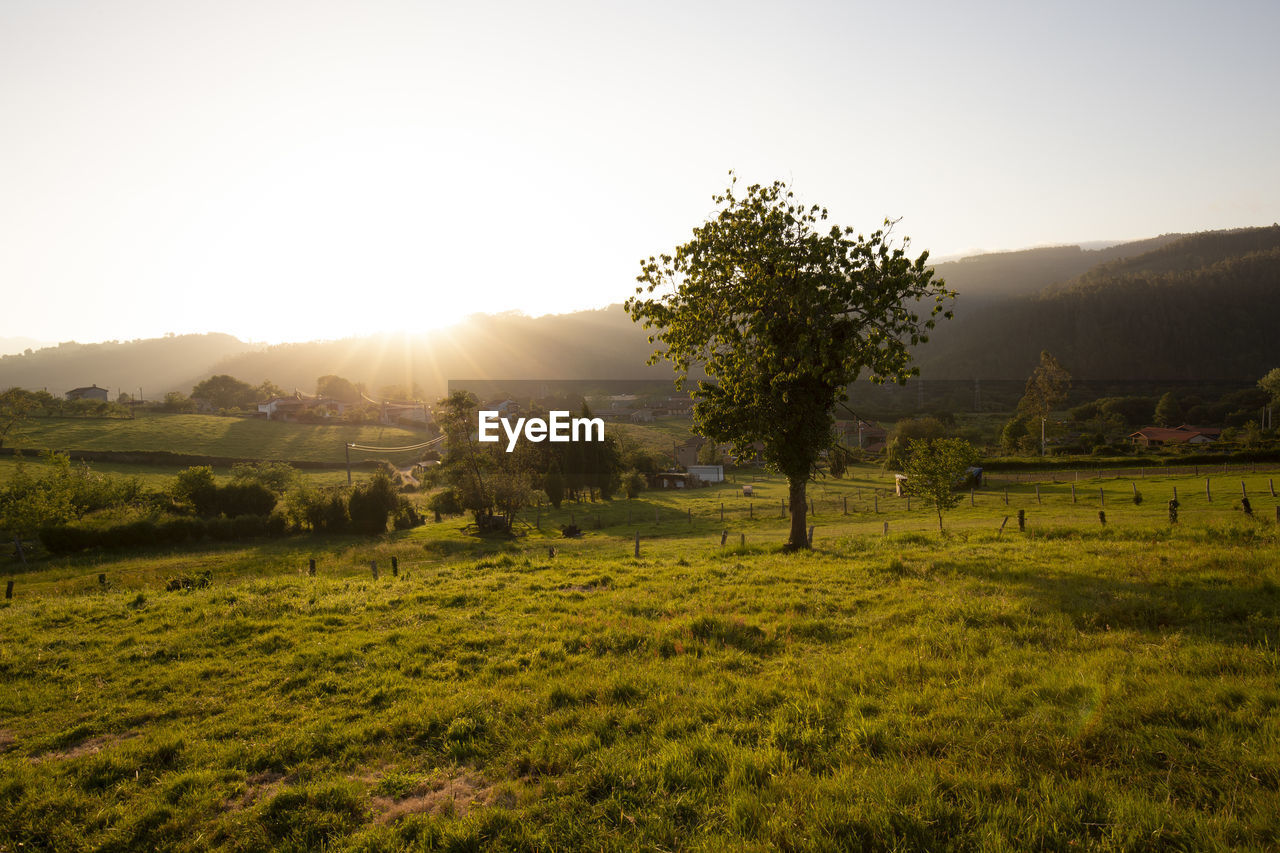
1174	307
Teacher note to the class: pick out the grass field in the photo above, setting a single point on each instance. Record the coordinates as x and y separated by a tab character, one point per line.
1072	687
208	435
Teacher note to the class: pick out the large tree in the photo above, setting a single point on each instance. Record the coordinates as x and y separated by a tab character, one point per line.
225	392
783	313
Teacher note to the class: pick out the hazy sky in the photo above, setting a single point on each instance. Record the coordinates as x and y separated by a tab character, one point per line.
296	170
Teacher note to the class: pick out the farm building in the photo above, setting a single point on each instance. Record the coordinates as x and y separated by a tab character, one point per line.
93	392
1185	434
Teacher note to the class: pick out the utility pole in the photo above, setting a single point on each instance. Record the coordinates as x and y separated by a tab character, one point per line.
348	449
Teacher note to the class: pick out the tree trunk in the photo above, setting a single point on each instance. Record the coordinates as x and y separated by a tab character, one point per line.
799	540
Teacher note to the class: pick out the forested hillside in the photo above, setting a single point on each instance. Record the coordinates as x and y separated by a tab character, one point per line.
1201	307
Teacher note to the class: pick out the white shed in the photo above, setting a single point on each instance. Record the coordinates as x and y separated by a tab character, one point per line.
708	473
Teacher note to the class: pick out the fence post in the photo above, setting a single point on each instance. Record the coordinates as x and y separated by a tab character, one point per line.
1272	486
1002	524
637	544
846	504
373	567
721	512
1022	521
551	551
810	536
1073	492
886	529
908	503
1102	496
1208	495
751	510
311	567
1038	493
724	537
1102	517
395	567
1243	493
742	541
8	590
1175	492
877	497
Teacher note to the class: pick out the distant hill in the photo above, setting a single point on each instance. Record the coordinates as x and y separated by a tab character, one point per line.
1201	306
156	365
1174	307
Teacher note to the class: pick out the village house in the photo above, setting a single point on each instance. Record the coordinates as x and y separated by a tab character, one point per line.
93	392
1185	434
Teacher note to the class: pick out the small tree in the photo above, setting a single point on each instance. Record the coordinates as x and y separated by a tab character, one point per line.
1046	388
934	468
225	392
16	405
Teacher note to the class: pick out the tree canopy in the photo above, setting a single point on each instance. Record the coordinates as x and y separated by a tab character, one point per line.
782	313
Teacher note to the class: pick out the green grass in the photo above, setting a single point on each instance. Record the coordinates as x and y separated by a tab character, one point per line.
209	435
1073	687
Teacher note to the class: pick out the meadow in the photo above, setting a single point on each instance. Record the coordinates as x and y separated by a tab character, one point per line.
1074	686
208	435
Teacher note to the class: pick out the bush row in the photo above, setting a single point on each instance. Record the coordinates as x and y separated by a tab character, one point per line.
69	538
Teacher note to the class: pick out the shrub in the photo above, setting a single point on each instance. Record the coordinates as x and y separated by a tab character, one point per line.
245	498
372	503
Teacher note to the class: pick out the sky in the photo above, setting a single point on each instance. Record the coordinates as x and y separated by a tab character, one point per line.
287	170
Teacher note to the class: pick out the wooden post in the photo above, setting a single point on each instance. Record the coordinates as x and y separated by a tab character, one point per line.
1208	495
1102	497
886	529
721	512
1102	517
811	537
102	580
1022	521
8	590
877	502
311	567
395	567
1175	493
1038	493
1272	486
846	504
348	449
1002	524
908	503
724	537
1243	493
1073	492
1135	488
373	567
742	540
751	510
637	544
551	551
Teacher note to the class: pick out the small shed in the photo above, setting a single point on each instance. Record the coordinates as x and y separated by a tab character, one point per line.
708	473
899	484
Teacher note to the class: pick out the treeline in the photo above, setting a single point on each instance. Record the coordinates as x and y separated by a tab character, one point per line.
69	507
494	485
